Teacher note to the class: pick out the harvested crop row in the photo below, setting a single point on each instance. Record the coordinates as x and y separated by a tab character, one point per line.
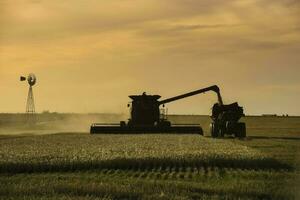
84	152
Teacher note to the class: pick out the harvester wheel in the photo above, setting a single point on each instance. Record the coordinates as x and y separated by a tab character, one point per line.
122	124
214	130
129	123
165	124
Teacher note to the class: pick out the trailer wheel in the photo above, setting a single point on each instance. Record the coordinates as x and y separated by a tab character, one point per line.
242	127
221	131
240	130
214	130
231	128
237	132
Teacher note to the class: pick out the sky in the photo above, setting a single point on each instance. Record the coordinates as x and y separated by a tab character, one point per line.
88	56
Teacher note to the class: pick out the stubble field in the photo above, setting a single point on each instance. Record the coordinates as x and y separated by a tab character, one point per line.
81	166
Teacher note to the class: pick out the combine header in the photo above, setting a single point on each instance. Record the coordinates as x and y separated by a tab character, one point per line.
146	117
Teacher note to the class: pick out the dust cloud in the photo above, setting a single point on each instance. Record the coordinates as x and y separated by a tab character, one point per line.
51	123
15	124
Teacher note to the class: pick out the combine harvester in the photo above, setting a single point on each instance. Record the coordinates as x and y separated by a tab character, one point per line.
146	117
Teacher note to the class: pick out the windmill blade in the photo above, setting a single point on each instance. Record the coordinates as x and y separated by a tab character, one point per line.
31	79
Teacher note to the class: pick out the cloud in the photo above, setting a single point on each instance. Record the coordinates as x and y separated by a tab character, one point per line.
201	26
175	30
120	47
38	20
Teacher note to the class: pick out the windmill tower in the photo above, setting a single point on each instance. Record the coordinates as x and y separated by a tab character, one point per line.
31	79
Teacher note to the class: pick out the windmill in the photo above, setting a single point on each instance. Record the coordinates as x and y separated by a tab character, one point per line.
31	79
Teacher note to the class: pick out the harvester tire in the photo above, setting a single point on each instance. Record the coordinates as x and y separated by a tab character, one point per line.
164	124
237	133
122	124
214	130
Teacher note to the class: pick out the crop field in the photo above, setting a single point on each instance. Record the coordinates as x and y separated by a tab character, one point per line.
75	165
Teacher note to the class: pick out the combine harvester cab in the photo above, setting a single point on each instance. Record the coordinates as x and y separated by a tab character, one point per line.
146	117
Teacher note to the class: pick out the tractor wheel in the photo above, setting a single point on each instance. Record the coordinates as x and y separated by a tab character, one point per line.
221	131
214	130
240	130
242	127
230	127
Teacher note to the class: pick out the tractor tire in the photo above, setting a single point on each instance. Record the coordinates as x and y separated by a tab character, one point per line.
230	127
214	130
221	131
240	130
236	133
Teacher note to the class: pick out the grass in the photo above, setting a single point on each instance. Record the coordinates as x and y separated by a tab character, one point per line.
82	166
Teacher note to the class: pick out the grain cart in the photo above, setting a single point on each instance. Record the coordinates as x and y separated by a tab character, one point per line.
226	121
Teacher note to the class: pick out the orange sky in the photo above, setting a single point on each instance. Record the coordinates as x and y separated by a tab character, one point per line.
89	57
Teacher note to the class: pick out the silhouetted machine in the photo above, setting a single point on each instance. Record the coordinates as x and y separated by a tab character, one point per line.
147	118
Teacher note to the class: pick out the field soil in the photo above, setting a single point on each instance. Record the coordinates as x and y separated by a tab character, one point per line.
58	159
